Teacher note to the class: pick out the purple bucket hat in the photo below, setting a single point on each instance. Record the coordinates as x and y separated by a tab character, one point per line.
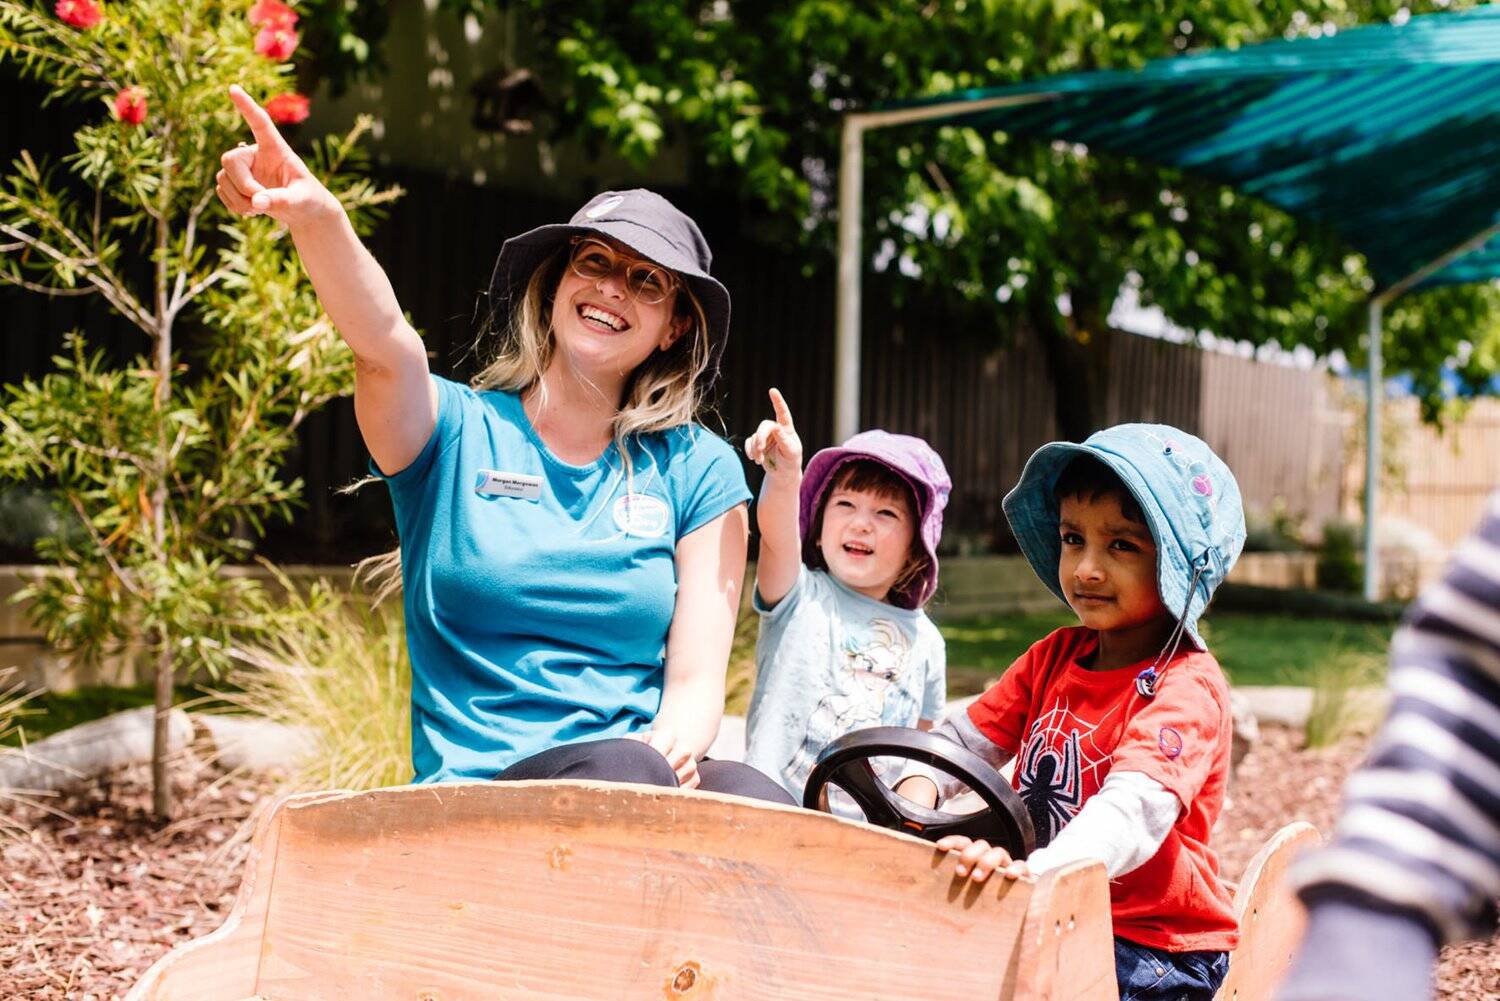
914	461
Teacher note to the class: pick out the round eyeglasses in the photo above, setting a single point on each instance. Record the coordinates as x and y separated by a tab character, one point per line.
647	283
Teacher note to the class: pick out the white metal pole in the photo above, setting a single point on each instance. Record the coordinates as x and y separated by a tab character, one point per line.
846	317
846	353
1376	394
1373	398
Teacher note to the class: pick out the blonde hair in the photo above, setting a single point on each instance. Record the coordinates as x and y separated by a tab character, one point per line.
665	391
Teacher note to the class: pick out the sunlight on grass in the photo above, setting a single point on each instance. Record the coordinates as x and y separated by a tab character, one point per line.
1253	649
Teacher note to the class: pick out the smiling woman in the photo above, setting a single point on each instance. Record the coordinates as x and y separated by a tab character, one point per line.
572	541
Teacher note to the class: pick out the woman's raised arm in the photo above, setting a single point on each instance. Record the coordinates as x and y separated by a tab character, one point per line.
394	400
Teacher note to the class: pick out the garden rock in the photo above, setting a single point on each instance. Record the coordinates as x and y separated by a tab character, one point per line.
1246	728
258	745
78	755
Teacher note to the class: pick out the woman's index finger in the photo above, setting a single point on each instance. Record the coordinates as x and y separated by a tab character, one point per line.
265	131
783	412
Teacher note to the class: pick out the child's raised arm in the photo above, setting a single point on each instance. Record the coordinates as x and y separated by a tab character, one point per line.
777	449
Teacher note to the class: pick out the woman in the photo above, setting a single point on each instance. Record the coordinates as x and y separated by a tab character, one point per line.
572	544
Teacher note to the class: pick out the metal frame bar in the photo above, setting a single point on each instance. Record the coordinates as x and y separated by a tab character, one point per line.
846	353
846	367
1375	393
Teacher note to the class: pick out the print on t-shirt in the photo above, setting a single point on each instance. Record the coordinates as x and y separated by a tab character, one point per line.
869	673
1060	766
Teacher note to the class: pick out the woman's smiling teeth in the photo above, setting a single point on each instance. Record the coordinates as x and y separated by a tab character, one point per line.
603	318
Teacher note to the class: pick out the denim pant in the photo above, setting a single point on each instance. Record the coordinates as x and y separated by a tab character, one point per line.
1147	974
619	760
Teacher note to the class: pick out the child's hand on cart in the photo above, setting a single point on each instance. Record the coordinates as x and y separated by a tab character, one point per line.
977	859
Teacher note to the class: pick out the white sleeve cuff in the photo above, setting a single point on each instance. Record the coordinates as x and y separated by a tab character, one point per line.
962	731
1121	825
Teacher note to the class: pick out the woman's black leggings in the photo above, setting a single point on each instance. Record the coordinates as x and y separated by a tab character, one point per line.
621	760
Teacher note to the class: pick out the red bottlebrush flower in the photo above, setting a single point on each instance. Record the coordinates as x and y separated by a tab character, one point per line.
287	109
276	44
130	105
79	13
272	14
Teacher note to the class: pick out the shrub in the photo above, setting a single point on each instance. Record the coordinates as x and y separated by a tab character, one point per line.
1339	567
171	463
1276	531
1342	699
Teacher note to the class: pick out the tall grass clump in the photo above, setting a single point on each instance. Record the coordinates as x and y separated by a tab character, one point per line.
14	696
1344	698
739	683
337	670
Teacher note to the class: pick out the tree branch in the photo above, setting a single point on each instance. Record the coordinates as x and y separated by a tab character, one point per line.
93	270
52	290
121	574
108	453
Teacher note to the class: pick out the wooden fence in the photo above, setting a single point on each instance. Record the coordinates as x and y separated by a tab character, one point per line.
1442	476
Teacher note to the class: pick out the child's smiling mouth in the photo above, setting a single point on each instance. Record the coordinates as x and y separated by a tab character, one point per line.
858	549
1090	598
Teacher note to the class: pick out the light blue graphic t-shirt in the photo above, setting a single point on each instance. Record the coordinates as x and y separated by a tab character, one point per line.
538	594
830	660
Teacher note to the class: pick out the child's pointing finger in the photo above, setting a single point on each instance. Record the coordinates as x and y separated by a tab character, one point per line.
783	412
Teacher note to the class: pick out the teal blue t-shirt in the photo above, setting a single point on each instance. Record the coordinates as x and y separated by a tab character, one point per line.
538	594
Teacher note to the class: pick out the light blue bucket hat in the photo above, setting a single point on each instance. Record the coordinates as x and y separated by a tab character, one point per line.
1187	494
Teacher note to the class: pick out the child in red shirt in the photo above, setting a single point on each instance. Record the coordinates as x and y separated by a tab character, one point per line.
1120	725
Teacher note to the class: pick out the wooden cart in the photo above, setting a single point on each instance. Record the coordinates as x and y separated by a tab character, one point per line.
584	890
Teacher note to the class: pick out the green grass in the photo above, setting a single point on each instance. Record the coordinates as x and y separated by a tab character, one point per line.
1253	649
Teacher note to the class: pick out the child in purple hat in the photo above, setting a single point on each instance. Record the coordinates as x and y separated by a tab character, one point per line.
848	559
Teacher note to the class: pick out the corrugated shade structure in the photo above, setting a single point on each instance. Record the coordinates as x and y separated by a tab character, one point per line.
1388	134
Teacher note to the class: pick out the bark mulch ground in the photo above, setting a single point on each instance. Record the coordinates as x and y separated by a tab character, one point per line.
1278	783
94	892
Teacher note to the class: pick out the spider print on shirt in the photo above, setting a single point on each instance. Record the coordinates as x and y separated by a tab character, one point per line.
1050	789
1059	767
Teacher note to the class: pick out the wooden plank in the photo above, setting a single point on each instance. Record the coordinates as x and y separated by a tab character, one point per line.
1067	948
224	962
584	890
1270	916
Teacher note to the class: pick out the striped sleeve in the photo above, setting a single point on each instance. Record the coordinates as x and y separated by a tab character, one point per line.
1420	829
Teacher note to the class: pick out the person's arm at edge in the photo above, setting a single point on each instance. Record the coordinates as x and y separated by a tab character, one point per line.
710	574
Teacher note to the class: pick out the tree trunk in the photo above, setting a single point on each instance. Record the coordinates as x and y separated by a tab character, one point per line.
161	746
1076	349
161	786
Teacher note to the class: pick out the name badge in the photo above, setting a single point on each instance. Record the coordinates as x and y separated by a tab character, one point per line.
522	486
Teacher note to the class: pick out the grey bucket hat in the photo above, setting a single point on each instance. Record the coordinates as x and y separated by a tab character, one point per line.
1187	494
915	462
642	220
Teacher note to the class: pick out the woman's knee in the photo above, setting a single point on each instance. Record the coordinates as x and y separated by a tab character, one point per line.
739	779
622	760
612	760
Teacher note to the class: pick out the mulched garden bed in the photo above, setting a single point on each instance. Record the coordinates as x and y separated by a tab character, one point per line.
94	892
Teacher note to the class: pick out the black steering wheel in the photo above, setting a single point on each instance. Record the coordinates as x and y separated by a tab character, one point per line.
845	763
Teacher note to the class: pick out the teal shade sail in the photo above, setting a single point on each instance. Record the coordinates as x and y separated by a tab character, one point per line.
1387	134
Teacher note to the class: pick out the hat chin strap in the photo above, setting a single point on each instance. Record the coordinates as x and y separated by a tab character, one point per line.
1145	682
